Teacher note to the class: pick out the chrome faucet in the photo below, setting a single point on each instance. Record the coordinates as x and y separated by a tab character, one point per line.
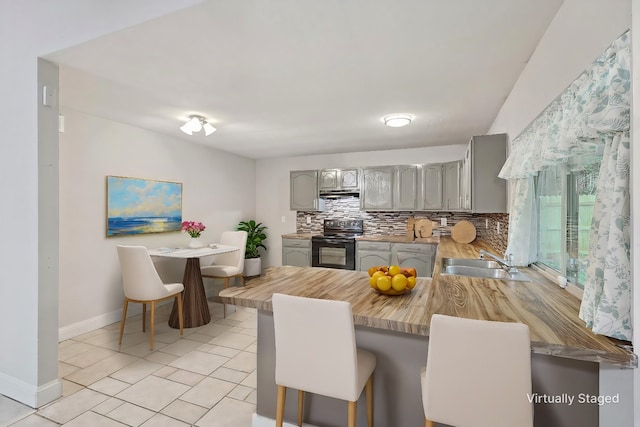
506	263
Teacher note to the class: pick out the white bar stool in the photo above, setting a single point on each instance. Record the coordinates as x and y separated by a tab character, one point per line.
316	352
478	374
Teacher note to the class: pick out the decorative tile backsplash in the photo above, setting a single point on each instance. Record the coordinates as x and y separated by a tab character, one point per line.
395	223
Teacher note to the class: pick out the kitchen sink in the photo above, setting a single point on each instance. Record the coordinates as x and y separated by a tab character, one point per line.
468	262
479	268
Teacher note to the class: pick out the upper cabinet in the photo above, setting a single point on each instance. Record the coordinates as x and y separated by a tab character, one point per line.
390	188
451	200
432	182
339	179
406	190
483	191
469	184
377	188
304	191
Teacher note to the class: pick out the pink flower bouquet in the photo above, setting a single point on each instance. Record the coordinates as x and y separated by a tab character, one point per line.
193	228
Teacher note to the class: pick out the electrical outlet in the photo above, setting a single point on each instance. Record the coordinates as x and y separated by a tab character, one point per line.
283	219
443	222
486	223
498	229
308	220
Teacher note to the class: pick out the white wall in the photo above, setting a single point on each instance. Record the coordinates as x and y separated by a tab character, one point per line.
29	29
272	183
92	148
579	33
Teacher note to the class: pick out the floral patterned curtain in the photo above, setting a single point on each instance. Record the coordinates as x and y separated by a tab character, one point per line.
592	114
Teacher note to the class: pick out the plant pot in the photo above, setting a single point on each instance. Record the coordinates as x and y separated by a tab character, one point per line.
252	267
195	243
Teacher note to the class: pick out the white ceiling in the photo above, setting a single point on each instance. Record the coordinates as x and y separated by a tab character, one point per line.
296	77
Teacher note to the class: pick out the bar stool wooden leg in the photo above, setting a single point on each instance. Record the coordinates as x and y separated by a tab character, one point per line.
124	317
281	398
428	423
353	406
300	406
369	397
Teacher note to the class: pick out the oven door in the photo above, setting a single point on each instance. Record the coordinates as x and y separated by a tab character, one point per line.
333	253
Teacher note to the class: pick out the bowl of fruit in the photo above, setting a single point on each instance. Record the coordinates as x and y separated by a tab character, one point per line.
392	280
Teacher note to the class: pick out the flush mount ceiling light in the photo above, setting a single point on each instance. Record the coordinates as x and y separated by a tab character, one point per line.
397	120
196	124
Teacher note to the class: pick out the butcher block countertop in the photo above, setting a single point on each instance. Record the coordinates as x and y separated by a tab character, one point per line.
550	312
371	238
306	236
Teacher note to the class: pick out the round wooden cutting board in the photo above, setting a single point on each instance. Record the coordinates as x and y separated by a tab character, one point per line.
463	232
424	228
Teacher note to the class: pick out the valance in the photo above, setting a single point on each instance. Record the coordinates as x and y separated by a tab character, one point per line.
577	122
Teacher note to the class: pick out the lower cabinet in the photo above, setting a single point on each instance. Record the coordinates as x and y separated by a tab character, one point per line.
369	254
407	255
415	255
296	252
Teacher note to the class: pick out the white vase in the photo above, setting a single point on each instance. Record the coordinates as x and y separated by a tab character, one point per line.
252	267
195	243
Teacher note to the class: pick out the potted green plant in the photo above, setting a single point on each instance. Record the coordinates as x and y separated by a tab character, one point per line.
255	238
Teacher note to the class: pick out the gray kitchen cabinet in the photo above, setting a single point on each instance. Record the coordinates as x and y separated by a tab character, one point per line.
486	193
296	252
465	181
377	188
414	255
432	186
451	198
369	254
406	191
304	191
339	179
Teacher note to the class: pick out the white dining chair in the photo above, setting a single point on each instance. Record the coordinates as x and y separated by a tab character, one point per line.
478	373
316	352
228	265
142	284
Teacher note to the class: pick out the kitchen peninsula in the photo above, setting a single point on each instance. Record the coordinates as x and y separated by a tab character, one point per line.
565	359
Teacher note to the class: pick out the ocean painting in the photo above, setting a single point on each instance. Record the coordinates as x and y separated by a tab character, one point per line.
140	206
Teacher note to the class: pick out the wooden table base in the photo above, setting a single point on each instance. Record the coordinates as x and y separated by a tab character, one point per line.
194	306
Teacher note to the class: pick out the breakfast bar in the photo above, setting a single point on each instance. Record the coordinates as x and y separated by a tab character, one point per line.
566	355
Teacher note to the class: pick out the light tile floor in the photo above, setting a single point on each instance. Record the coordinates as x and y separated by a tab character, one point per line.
205	379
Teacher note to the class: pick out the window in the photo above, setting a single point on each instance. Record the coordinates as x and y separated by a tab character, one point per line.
565	199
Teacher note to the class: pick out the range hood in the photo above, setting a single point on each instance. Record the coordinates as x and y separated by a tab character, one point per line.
337	194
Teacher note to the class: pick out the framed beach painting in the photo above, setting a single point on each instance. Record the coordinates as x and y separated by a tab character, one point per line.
141	206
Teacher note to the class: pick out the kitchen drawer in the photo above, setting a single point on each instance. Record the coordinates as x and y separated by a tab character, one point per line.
373	246
414	247
296	243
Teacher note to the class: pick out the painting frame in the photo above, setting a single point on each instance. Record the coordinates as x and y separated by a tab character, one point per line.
136	206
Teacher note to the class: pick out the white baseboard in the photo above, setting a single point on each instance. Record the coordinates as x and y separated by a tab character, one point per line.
29	394
97	322
260	421
84	326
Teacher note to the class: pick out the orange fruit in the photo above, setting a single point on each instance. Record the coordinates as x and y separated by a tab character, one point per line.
372	270
399	282
412	272
384	283
394	269
411	282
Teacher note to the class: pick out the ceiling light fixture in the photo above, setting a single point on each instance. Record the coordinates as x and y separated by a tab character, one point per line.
397	120
196	124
